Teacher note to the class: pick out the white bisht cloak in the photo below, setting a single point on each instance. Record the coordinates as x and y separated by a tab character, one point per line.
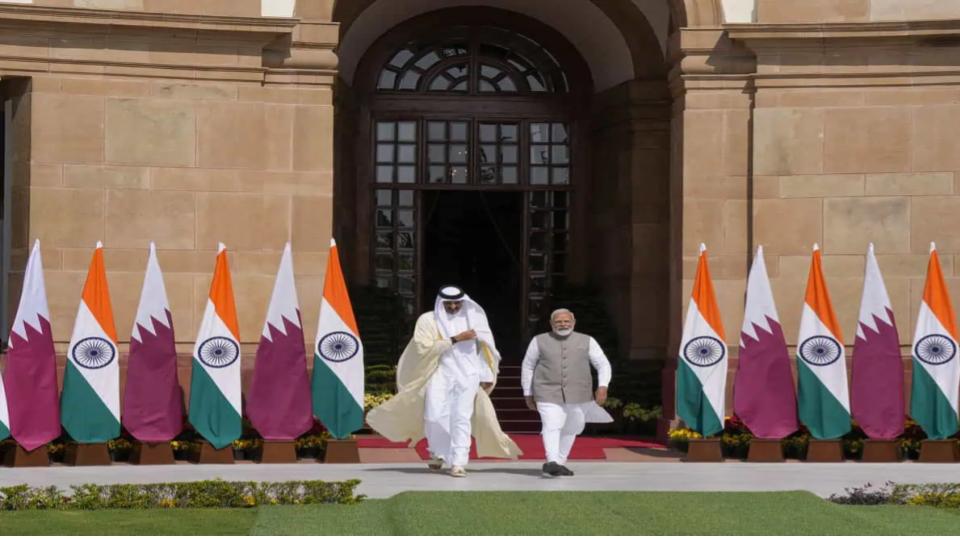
401	417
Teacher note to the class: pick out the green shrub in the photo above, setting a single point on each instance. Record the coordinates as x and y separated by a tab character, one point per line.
938	495
203	494
866	495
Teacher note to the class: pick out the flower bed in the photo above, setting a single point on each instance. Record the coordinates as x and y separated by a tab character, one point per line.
736	438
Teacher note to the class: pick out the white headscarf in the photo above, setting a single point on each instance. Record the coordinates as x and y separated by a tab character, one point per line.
476	317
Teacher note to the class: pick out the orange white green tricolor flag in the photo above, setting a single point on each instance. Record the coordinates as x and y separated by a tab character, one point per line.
337	385
215	407
936	371
822	391
90	402
702	366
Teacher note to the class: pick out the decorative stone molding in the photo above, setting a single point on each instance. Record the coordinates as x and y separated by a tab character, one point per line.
915	32
179	46
20	17
908	53
708	51
691	13
310	47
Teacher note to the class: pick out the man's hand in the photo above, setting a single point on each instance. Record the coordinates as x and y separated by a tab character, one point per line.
601	395
465	336
531	404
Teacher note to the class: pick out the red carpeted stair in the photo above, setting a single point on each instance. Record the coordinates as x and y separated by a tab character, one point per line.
512	410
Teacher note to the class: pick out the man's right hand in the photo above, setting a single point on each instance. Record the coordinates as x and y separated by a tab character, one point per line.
465	336
531	404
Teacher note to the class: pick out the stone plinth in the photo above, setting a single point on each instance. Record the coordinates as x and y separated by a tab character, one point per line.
152	453
704	451
765	451
341	451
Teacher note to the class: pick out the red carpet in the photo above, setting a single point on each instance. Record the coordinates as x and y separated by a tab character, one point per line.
532	445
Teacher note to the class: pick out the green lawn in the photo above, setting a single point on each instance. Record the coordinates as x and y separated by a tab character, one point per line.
514	513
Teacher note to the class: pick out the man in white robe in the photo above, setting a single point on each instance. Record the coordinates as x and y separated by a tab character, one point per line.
453	388
556	380
451	356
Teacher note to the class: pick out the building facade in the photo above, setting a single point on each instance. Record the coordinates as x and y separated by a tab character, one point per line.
517	147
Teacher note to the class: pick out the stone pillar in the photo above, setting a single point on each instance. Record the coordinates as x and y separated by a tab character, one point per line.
710	183
628	212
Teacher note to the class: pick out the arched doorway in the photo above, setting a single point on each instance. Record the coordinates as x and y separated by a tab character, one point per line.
470	144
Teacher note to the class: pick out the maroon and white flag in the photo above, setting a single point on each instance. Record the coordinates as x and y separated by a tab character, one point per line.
763	393
278	404
876	389
152	399
30	378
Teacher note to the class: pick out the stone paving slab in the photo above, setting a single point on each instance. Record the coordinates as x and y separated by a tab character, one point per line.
387	479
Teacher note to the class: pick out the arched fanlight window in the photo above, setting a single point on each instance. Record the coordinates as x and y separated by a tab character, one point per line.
477	60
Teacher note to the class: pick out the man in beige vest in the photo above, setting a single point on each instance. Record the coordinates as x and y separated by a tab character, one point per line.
557	383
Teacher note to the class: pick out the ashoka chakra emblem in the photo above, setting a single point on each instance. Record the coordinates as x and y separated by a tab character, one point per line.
820	350
704	351
338	347
94	353
218	352
935	349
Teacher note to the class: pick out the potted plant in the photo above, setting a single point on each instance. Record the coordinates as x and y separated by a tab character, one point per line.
182	450
240	448
310	446
119	449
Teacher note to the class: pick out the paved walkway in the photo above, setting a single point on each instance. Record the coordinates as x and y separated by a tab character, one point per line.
387	479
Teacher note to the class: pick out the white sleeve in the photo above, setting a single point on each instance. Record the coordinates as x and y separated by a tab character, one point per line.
600	363
526	369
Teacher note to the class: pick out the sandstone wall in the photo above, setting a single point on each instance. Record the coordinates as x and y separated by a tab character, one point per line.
177	134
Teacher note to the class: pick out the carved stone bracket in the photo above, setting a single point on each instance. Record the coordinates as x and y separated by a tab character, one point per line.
305	57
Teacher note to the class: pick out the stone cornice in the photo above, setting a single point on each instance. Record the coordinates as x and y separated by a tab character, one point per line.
18	17
270	50
310	47
817	34
708	51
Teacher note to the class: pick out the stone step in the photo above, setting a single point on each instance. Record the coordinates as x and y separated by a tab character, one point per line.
520	426
507	391
518	414
509	402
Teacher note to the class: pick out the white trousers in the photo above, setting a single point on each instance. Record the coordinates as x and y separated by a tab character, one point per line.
447	415
561	425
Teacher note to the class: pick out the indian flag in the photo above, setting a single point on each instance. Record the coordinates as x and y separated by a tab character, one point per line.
337	357
821	365
702	367
936	375
215	381
90	402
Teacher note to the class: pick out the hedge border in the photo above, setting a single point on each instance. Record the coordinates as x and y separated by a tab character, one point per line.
215	493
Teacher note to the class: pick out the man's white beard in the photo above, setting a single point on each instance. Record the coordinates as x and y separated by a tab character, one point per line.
564	333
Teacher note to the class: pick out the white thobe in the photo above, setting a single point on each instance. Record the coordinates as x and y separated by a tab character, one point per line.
450	397
562	422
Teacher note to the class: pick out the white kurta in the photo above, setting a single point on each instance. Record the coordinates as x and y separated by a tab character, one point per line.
451	392
561	423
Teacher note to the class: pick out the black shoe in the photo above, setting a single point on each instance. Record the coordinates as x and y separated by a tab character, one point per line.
552	470
564	471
